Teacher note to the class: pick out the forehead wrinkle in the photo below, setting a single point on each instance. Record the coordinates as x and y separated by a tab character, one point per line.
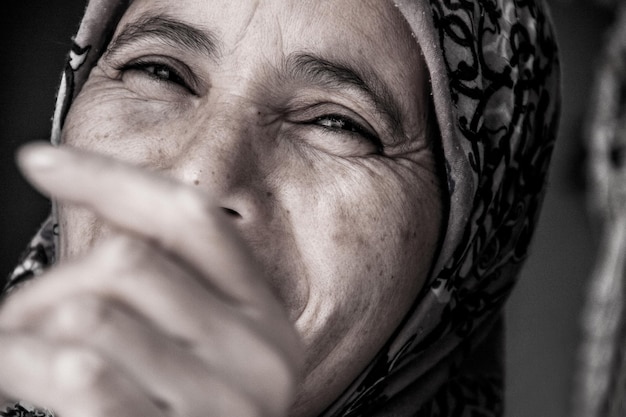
337	75
168	30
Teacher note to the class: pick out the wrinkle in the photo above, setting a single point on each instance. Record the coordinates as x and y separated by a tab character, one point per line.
281	41
246	25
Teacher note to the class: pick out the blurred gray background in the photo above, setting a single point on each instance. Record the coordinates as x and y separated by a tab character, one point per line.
543	314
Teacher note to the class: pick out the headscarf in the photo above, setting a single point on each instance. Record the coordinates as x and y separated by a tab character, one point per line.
494	76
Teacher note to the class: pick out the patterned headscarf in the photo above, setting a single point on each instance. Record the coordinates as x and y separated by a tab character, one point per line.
494	76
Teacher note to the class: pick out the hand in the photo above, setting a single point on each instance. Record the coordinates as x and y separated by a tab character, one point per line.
169	316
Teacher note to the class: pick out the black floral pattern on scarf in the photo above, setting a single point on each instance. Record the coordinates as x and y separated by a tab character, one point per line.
18	410
507	118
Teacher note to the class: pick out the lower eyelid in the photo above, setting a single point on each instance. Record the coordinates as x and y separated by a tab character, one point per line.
349	138
359	144
361	131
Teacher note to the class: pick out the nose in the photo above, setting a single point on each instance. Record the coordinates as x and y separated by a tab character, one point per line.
225	151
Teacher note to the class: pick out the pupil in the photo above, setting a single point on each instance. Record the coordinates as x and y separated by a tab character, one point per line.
162	72
333	122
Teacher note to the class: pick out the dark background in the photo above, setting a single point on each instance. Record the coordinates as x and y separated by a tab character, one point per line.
34	41
543	314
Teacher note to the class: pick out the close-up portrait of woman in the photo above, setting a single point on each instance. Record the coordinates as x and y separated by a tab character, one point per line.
282	208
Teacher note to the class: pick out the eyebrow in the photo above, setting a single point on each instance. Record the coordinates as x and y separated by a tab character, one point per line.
336	75
169	31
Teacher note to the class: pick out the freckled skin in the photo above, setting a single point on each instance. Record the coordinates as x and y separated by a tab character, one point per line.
347	240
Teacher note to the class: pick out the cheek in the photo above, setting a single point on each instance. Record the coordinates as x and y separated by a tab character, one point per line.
373	216
104	119
368	232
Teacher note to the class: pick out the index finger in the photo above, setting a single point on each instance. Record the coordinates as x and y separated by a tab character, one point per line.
179	218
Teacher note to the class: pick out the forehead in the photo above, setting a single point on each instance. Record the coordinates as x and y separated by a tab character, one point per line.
371	33
311	16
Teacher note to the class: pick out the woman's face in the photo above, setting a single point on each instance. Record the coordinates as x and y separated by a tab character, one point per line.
307	122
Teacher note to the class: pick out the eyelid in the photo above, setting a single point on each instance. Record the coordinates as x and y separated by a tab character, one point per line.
178	67
311	114
308	113
361	130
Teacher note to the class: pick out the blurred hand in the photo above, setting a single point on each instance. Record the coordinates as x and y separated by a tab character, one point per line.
169	316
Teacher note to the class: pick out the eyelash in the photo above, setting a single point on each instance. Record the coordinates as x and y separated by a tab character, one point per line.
348	126
152	69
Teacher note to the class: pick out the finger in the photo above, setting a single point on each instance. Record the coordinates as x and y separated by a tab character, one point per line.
136	274
195	228
163	292
72	381
172	371
77	382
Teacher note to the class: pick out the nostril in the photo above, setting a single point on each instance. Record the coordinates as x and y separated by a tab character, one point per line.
231	212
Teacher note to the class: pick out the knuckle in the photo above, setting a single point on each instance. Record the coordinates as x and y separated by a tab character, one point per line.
86	315
132	267
126	251
195	207
117	245
79	369
126	258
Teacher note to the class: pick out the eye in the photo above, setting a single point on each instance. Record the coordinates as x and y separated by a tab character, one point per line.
345	125
161	72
